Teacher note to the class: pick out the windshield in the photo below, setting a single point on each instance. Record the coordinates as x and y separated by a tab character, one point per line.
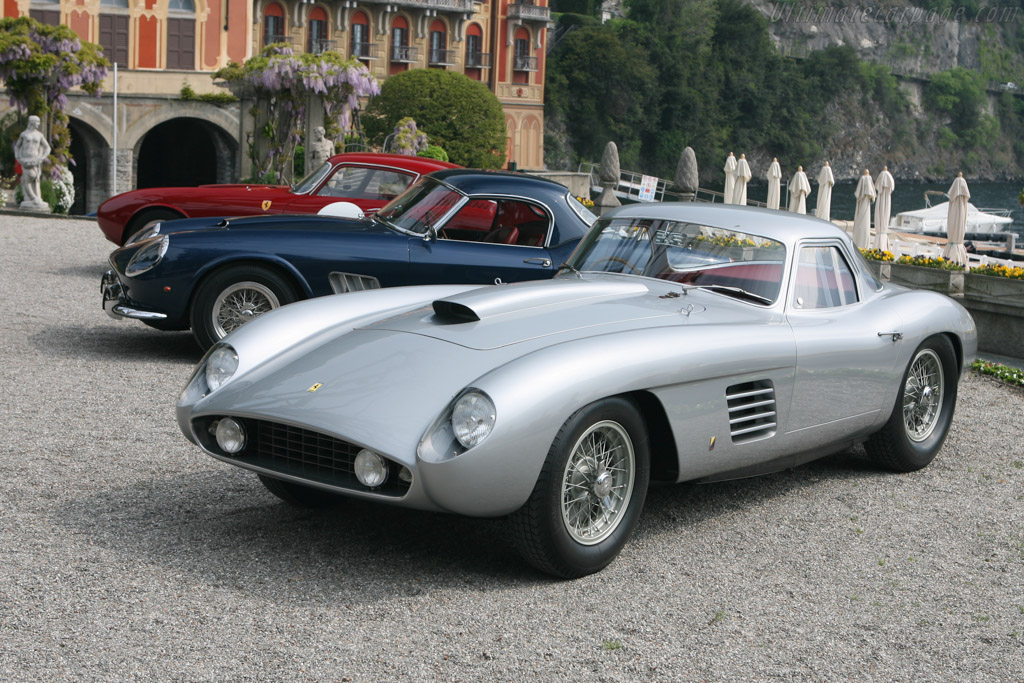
421	206
312	180
687	253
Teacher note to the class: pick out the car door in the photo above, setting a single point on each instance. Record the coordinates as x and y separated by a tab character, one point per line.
847	345
366	186
488	238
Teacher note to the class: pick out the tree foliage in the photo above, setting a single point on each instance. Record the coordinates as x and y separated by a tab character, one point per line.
459	114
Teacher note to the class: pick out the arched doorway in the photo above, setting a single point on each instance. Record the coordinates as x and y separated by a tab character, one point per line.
181	152
91	167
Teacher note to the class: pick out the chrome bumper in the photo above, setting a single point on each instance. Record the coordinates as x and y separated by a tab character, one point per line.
114	301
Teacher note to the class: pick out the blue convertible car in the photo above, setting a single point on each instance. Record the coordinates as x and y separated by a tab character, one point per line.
455	227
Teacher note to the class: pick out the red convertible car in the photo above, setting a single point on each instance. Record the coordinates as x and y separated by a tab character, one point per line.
366	179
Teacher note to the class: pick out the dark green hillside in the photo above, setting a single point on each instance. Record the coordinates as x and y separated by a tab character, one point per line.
706	73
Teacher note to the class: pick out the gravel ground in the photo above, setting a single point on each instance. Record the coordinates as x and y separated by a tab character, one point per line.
127	554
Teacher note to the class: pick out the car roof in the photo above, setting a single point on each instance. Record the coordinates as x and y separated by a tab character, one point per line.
784	226
473	181
412	163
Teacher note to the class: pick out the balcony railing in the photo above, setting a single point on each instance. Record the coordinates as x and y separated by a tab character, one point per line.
365	50
403	53
478	60
441	57
319	46
527	11
441	5
524	63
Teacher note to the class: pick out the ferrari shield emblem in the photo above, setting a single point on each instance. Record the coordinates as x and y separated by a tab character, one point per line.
711	445
315	387
266	204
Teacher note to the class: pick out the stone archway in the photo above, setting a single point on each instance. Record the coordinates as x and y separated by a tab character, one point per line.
183	152
91	169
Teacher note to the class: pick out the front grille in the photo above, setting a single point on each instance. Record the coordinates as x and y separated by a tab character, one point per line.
751	410
307	455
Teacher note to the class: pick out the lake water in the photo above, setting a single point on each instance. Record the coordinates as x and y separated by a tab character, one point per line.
910	196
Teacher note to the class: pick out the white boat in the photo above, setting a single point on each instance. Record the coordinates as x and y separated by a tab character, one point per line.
932	219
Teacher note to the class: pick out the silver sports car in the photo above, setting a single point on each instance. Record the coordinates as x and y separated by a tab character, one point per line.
679	342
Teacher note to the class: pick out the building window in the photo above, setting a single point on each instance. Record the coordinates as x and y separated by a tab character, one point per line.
181	44
524	61
439	55
114	38
273	24
400	50
475	57
318	32
362	48
114	3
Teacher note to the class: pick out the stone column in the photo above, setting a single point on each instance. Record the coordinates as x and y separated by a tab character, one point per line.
609	177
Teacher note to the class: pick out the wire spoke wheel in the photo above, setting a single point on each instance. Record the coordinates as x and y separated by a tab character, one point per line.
597	483
240	303
923	394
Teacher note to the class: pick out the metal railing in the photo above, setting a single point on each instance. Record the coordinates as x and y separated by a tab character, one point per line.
524	63
478	60
630	184
404	53
365	50
441	57
319	46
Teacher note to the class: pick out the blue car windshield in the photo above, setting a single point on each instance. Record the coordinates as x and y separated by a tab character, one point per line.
687	253
420	207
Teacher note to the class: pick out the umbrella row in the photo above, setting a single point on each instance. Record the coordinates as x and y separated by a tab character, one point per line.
738	174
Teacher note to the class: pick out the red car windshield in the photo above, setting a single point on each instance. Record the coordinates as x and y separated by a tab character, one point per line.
420	207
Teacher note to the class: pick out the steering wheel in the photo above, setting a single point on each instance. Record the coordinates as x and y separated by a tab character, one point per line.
616	259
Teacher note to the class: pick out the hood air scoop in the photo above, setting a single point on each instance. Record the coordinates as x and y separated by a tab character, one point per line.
491	302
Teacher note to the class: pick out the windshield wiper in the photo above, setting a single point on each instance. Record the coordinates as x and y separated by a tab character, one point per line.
569	266
726	289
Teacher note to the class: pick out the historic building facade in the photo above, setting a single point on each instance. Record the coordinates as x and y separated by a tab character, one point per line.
161	45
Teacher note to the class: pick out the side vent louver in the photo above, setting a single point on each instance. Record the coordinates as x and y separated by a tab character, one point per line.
343	283
751	410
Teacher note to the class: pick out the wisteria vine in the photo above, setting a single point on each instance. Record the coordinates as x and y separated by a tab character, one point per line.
281	82
39	65
408	139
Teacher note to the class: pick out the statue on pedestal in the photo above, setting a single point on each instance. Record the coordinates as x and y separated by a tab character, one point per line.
31	151
319	150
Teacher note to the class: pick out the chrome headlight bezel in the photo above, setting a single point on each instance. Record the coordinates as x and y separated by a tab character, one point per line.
148	256
472	418
220	366
144	234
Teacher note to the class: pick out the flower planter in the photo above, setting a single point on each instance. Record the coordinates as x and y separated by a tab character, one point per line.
921	277
996	289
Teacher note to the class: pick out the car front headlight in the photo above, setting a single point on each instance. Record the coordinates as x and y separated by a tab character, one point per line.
472	418
148	256
220	366
143	235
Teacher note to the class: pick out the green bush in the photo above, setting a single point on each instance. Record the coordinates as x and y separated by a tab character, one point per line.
47	192
434	152
299	162
459	114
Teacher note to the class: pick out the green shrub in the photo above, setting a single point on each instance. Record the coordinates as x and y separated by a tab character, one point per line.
434	152
459	114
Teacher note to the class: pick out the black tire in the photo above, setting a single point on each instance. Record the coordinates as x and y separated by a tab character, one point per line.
146	218
541	528
300	495
920	421
229	297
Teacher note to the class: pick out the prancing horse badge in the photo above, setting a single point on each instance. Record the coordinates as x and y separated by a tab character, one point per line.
266	204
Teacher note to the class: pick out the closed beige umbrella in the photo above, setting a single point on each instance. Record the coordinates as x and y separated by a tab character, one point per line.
799	188
883	208
865	194
956	221
826	180
774	176
730	179
739	195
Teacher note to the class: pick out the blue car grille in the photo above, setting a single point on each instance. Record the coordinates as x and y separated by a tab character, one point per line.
308	455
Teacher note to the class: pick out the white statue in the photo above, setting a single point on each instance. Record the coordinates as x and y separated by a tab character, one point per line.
319	150
31	151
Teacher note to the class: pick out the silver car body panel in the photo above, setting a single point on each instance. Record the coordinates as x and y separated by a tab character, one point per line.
391	361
